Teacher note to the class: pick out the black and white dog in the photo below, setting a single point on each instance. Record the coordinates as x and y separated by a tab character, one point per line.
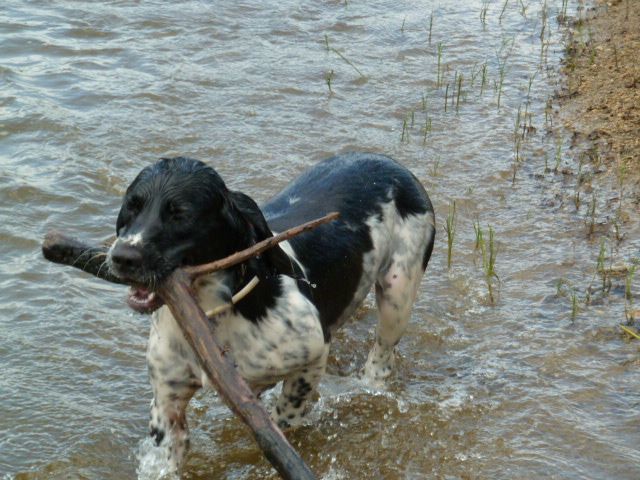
179	212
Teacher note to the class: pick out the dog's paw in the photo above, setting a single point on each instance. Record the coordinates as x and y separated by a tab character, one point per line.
379	365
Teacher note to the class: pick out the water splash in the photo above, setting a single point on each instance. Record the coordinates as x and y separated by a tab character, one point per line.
152	464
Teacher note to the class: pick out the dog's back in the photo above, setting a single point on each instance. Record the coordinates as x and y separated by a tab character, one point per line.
385	217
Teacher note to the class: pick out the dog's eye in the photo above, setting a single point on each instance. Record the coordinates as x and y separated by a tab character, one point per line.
175	210
134	204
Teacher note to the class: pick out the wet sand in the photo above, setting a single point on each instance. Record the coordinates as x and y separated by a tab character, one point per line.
601	100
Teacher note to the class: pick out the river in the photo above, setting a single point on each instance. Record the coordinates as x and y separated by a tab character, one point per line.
528	381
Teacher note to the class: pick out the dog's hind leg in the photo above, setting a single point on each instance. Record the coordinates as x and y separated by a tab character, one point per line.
396	290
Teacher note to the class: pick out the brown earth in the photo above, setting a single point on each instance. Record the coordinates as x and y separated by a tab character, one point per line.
601	103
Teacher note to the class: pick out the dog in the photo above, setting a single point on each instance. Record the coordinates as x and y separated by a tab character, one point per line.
179	212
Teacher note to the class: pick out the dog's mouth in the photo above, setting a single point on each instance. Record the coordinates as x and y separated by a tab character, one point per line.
143	300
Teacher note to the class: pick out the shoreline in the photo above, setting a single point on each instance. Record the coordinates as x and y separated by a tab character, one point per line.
600	99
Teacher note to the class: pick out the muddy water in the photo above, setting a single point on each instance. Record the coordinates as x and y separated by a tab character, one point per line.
515	388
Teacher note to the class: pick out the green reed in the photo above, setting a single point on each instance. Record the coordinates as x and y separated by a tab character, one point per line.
450	228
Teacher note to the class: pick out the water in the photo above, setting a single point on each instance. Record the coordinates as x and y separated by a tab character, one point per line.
93	91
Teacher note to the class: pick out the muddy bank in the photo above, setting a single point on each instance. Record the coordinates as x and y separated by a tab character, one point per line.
599	105
601	99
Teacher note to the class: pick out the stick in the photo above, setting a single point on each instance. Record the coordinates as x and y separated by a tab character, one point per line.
177	294
59	248
258	248
65	250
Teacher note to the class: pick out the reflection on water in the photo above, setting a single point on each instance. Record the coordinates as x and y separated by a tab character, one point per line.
92	92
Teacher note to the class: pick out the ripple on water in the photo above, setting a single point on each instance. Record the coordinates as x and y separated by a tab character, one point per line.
93	92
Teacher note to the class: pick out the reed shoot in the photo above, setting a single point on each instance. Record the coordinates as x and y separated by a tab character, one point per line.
459	90
450	228
439	73
489	254
328	77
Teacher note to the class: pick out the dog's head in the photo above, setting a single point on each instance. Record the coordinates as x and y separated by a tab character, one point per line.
178	212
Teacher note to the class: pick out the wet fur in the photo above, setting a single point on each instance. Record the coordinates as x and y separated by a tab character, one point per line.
179	212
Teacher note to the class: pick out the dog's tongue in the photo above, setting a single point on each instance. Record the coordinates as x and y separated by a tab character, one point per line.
142	300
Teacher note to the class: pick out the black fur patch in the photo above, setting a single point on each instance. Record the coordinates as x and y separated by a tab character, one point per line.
356	185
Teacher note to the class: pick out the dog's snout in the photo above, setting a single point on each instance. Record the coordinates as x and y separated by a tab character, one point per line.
126	257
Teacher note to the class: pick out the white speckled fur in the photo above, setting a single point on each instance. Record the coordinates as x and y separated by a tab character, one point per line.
288	344
400	243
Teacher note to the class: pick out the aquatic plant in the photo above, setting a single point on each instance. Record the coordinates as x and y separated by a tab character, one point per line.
434	167
405	131
479	236
427	129
504	7
503	57
516	159
341	55
630	331
450	228
483	13
489	254
446	95
328	77
439	73
574	304
484	78
592	214
558	156
628	297
543	21
562	17
459	90
565	289
600	267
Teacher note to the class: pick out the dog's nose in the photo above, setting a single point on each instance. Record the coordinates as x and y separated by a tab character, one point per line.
126	258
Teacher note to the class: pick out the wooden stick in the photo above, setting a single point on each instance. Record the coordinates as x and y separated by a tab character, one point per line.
177	294
59	248
258	248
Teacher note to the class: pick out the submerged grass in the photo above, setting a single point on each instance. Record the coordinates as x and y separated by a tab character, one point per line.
565	289
628	297
450	228
459	90
489	253
483	13
341	55
504	7
328	77
439	72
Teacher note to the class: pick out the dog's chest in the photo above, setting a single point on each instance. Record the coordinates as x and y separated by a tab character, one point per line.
286	339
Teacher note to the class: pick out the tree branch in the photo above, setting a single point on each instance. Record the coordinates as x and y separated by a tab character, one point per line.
177	294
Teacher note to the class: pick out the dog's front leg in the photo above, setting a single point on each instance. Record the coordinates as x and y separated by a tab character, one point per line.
297	392
173	379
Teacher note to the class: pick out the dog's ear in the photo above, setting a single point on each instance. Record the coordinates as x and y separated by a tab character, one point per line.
249	211
257	229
